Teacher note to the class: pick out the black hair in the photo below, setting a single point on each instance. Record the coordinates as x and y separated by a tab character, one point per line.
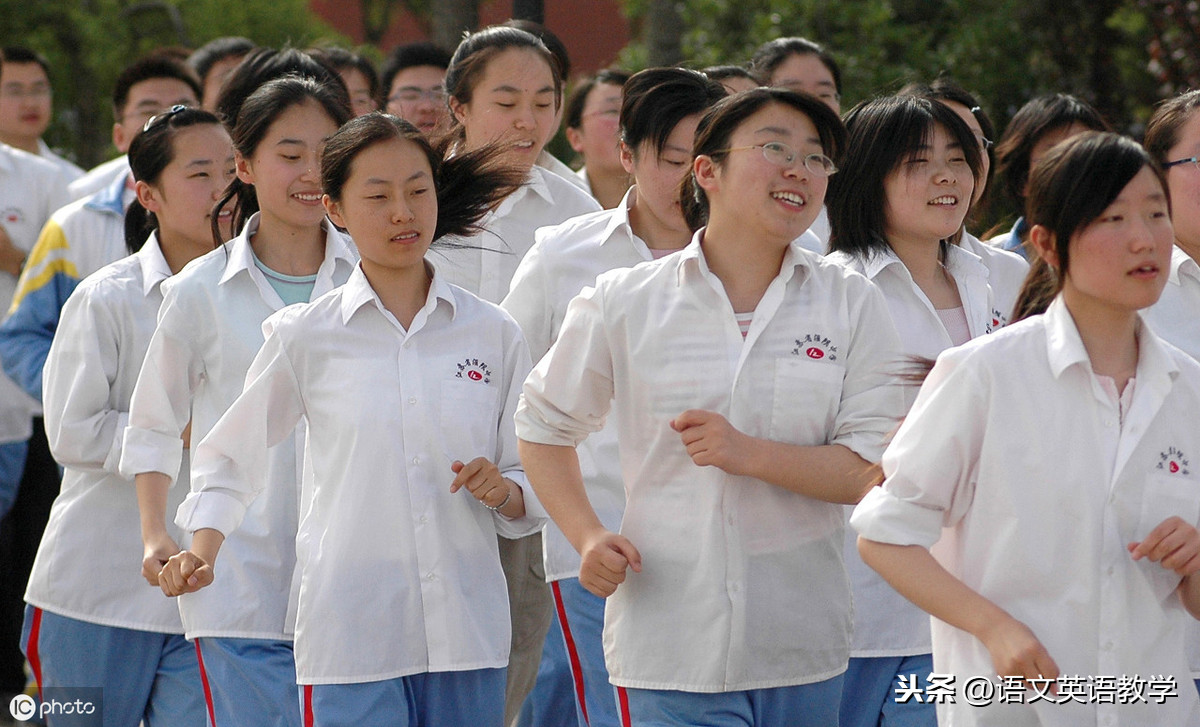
156	65
720	122
149	154
720	73
410	55
657	99
266	64
214	51
773	53
882	134
1162	131
1069	188
467	184
21	54
573	110
477	49
553	43
257	114
1034	120
341	59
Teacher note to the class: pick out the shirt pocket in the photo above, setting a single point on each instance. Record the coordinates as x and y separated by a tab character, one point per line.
1166	496
469	417
806	400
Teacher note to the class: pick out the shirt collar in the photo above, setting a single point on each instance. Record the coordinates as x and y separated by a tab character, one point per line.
241	256
358	292
1182	263
693	255
111	198
1065	346
618	218
537	183
153	263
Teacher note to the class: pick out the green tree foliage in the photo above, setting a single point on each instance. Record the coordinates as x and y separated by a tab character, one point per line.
88	42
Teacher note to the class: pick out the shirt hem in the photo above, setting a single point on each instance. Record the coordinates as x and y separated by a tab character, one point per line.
396	674
887	653
192	635
104	620
718	689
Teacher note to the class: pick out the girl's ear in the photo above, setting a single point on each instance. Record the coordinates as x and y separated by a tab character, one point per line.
626	157
334	210
706	172
1043	243
575	139
243	168
458	108
148	197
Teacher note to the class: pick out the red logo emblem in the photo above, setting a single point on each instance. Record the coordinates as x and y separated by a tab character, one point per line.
13	219
475	375
814	352
1174	467
995	322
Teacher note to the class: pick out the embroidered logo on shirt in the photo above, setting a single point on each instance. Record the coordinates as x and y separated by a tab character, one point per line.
998	320
1173	461
475	370
816	347
12	215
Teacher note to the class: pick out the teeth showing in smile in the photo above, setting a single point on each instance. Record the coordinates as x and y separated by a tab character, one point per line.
524	144
790	197
945	200
307	197
405	236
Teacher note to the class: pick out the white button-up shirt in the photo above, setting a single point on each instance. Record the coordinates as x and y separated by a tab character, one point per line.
566	259
742	585
1006	275
487	268
1176	315
886	623
398	574
1038	520
87	565
209	330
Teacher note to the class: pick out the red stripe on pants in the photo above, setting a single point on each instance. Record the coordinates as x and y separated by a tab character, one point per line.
572	650
309	720
31	648
623	704
208	703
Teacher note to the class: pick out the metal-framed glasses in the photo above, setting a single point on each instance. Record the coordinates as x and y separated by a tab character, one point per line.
412	94
1190	160
163	116
782	155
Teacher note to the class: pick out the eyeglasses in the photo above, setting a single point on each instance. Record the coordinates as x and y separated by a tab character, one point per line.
163	116
39	91
985	142
412	95
1177	162
782	155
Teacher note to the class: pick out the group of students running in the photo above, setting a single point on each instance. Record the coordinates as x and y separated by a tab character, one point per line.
297	400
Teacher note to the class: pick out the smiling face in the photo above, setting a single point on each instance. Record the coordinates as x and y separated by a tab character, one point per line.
928	193
1121	260
761	199
513	102
183	196
389	206
285	168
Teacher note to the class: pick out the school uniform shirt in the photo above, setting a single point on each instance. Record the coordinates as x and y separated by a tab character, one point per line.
87	564
1006	275
209	330
742	583
816	238
564	260
78	240
30	190
886	623
99	177
399	575
1176	315
70	171
1038	520
553	164
545	199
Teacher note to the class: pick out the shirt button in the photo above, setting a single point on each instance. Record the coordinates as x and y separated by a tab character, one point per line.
412	400
416	460
431	577
424	520
1108	645
1109	422
730	519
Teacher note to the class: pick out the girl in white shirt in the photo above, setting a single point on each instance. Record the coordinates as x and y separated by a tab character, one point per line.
897	206
504	86
734	450
659	114
91	620
408	386
209	330
1064	562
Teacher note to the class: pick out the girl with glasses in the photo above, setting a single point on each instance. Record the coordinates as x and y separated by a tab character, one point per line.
91	620
743	376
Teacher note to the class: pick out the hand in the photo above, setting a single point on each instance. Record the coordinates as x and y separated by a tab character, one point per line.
1173	544
186	436
1015	651
605	560
11	257
157	551
712	441
185	572
482	479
